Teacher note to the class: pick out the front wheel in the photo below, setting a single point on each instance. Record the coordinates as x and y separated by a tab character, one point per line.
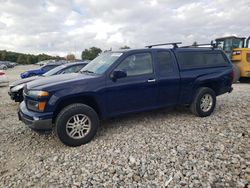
76	124
204	102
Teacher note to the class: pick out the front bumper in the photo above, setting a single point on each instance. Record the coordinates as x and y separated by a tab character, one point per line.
24	75
36	121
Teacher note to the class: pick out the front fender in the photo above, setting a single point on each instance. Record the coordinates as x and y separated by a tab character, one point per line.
64	96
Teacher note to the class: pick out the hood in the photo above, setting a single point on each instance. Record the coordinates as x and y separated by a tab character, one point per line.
46	82
24	81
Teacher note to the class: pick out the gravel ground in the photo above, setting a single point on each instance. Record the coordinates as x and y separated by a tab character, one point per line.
163	148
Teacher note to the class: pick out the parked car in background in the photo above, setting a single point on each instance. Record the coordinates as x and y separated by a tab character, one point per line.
40	71
13	64
16	88
121	82
3	67
45	62
8	64
3	79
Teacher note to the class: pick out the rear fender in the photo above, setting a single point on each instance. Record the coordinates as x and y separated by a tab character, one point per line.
220	82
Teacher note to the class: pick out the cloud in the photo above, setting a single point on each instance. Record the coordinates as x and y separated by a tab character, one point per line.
59	27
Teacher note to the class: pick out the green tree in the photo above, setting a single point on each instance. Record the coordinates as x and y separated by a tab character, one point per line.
3	55
43	57
29	59
21	59
25	58
70	57
12	56
91	53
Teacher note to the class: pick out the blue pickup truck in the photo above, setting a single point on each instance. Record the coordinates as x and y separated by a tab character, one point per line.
121	82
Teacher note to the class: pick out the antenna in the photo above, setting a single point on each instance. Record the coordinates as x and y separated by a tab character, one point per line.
174	44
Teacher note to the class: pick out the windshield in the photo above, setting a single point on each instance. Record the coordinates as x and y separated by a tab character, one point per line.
237	43
101	63
54	71
229	44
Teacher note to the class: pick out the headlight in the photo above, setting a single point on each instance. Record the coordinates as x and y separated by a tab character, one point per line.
17	88
237	52
37	94
36	105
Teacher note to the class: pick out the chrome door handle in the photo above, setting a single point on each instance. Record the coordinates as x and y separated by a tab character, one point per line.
151	80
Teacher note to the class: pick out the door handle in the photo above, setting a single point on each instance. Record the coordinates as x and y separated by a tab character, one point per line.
151	80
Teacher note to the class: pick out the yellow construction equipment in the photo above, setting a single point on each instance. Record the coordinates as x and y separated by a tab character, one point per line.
238	51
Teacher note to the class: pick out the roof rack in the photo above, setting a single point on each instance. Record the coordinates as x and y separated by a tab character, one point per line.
174	44
211	44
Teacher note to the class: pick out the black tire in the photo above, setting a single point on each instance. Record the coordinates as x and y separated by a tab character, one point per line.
245	80
196	106
66	115
236	73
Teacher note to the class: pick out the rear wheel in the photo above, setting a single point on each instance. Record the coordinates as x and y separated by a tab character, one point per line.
76	124
204	102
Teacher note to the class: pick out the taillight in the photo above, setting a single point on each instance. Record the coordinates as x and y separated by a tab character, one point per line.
2	73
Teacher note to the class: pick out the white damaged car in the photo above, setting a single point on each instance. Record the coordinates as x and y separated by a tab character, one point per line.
3	79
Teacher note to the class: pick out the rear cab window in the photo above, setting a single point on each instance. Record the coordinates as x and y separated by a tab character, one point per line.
165	62
201	59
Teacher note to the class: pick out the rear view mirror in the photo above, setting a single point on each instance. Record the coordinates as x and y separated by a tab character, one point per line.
118	74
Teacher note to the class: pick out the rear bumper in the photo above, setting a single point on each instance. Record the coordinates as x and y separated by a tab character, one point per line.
36	121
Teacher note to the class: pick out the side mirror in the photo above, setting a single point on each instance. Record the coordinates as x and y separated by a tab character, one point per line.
118	74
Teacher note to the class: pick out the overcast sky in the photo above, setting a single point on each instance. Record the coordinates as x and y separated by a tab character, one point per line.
59	27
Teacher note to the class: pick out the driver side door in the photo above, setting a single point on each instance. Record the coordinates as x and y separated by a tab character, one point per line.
135	92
